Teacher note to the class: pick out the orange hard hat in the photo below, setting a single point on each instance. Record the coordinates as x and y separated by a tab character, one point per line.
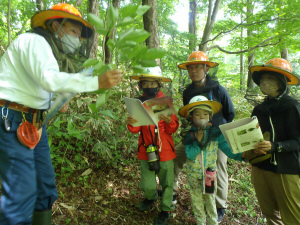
62	10
197	57
277	65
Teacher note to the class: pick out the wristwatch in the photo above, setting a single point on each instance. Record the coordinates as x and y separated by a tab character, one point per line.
279	148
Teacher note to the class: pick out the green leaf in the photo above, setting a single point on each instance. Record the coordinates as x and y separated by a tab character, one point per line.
137	68
124	44
102	31
99	66
147	62
93	108
112	17
127	20
90	62
72	131
95	20
101	100
129	10
103	69
142	9
111	44
108	113
135	35
155	53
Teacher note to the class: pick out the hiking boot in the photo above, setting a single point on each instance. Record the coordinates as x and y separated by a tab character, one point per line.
145	205
174	201
221	213
162	218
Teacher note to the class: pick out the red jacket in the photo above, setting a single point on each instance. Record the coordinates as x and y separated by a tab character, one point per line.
165	141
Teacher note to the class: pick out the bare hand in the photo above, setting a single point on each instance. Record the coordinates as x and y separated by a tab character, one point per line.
131	120
110	79
167	119
263	147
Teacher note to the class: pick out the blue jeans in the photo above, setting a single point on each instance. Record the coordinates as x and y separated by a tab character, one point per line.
28	178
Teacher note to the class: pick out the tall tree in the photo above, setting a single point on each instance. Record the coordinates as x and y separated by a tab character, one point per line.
8	22
242	74
150	24
213	8
192	24
250	83
107	52
93	7
40	5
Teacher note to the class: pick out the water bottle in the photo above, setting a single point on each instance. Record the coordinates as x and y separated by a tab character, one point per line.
210	178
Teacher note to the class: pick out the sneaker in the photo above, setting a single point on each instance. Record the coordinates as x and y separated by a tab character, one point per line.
145	205
174	201
162	218
221	213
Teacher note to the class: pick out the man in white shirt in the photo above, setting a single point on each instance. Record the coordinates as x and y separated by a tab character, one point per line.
36	65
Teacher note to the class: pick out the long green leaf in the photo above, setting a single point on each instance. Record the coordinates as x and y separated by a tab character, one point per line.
127	20
95	20
90	62
112	17
129	10
142	9
101	100
108	113
155	53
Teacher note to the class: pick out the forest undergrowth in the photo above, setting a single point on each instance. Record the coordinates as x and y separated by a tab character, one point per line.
97	174
101	186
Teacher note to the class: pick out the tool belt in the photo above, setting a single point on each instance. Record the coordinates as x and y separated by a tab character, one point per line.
37	114
17	107
28	134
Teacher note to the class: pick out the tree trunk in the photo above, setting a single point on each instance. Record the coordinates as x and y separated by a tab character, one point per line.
107	52
242	74
40	5
78	2
211	19
8	22
250	83
151	24
193	24
93	7
284	53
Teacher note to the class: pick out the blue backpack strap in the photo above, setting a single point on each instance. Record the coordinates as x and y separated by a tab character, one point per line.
210	94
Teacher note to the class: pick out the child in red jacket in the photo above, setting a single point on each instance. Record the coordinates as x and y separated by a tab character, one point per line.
150	82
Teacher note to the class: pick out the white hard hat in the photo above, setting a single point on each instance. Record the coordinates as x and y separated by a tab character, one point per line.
152	72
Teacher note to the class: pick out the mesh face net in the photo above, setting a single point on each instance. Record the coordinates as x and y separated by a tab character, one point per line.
136	91
83	51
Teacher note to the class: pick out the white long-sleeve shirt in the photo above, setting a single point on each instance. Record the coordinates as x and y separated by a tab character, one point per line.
29	73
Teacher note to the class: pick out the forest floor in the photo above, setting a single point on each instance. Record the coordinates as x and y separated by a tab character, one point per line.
109	196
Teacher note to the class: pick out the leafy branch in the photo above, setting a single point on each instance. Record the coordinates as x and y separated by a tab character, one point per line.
128	43
249	49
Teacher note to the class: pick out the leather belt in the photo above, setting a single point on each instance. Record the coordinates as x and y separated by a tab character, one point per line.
17	107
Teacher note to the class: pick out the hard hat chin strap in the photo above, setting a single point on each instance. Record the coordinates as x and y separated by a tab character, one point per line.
202	81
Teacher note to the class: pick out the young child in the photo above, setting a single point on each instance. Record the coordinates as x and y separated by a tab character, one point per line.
201	145
151	82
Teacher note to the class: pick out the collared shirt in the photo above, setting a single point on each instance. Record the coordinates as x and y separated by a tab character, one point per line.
29	74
